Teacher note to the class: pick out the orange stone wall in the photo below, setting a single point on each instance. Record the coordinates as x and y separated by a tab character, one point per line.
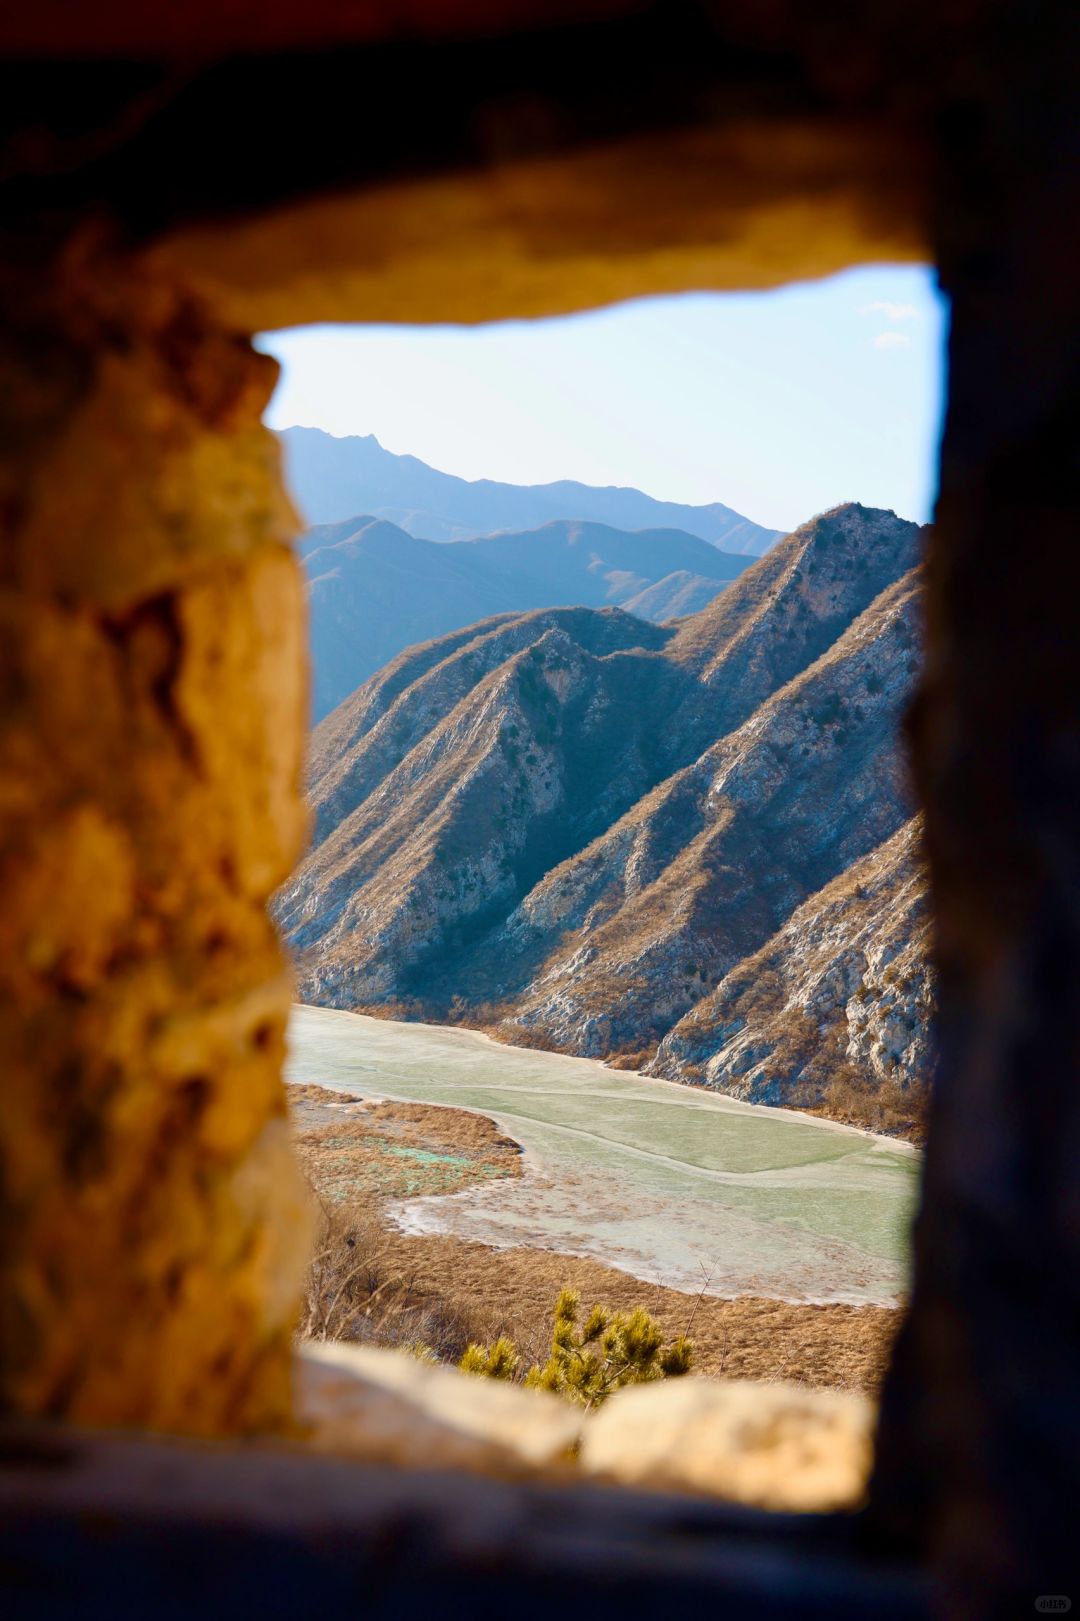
153	682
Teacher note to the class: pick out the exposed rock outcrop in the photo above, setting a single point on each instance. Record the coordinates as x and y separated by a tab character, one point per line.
834	1010
356	749
484	802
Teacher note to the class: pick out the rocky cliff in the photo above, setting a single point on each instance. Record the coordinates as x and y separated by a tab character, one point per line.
670	842
832	1013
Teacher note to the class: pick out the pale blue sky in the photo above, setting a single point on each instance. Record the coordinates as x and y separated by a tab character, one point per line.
779	404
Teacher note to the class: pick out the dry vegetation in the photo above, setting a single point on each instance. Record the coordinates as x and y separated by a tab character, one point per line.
832	1015
356	1149
371	1283
858	1099
591	1357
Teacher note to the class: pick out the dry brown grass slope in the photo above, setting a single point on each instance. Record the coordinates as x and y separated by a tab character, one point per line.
371	1283
787	610
674	597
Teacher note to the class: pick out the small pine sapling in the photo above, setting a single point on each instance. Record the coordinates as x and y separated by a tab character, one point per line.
609	1350
498	1361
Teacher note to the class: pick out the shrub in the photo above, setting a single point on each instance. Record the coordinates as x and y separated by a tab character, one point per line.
354	1292
498	1361
422	1353
587	1363
634	1058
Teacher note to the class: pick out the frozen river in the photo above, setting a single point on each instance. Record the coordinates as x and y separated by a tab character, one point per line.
672	1183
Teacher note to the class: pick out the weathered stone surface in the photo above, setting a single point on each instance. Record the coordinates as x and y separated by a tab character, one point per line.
130	1526
388	1407
533	238
980	1439
152	677
776	1446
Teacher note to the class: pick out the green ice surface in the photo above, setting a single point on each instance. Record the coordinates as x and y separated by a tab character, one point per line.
669	1173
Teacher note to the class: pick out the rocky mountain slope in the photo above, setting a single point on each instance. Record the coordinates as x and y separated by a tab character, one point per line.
333	478
708	866
834	1009
606	835
375	590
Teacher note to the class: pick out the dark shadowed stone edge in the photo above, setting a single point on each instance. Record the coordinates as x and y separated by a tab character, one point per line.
120	1527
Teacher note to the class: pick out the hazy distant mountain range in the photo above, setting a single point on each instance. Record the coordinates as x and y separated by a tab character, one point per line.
688	843
375	590
334	479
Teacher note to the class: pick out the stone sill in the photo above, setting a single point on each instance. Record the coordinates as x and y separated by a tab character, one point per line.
128	1528
780	1447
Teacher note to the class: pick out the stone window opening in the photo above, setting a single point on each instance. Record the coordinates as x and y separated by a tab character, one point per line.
152	667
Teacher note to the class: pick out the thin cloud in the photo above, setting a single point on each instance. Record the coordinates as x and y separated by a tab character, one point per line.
891	312
892	340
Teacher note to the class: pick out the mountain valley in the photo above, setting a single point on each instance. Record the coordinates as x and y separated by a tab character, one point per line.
689	846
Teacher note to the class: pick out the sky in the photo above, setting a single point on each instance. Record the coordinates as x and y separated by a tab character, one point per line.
778	404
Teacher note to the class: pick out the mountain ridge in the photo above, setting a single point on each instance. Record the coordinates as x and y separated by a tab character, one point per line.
374	590
332	478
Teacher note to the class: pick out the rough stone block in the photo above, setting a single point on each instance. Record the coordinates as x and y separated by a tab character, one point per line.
781	1446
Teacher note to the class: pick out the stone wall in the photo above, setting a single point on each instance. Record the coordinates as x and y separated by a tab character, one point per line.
152	671
979	1453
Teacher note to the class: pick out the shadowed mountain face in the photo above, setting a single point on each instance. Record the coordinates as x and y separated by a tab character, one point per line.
333	478
583	826
375	590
